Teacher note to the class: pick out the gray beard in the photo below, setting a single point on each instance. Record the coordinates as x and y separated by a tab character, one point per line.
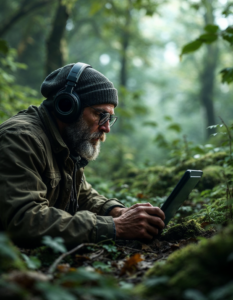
78	139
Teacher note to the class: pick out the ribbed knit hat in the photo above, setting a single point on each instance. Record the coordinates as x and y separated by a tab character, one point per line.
92	87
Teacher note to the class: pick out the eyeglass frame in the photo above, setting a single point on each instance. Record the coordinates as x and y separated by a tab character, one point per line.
106	113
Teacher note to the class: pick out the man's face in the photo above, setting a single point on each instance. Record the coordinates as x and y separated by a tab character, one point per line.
84	136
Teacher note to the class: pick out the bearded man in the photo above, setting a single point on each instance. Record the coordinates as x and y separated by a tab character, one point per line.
43	153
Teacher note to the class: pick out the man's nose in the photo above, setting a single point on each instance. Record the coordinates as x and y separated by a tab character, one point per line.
105	127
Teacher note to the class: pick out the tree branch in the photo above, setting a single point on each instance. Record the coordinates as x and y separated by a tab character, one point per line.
23	10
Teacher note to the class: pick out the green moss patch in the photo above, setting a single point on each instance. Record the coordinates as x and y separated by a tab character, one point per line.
204	267
184	230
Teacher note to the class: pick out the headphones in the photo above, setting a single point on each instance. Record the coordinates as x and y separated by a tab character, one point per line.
66	103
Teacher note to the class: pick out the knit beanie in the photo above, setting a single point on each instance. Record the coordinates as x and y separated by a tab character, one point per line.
92	87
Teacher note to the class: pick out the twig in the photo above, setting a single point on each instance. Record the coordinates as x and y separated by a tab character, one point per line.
56	262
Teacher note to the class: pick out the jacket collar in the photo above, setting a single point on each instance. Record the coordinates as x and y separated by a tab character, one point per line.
49	122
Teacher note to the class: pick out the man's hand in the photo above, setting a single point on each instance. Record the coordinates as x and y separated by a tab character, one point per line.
140	221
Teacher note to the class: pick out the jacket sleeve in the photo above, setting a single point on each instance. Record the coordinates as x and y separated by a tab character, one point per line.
24	210
90	199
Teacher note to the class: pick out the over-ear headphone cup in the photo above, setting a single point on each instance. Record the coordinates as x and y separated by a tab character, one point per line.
67	107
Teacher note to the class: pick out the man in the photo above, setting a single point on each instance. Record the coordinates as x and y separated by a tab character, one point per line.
42	159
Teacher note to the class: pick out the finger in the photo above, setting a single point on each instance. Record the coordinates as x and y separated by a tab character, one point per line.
155	211
147	235
156	221
152	230
141	204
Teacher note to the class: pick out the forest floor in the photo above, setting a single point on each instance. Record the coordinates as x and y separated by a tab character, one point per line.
190	259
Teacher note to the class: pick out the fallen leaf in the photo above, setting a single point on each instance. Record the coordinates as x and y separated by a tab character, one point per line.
204	224
63	268
81	258
141	196
131	263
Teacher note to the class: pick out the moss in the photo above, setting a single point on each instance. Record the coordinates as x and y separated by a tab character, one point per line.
184	230
10	257
212	176
202	266
203	161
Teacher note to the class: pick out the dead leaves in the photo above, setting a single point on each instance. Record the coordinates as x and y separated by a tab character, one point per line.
131	264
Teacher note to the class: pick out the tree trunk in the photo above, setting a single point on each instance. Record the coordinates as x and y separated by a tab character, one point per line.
25	8
207	86
207	76
55	53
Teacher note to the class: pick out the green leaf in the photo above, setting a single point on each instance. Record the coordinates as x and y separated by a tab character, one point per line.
176	127
150	123
4	48
110	248
101	266
227	34
168	118
57	244
227	75
192	294
96	7
32	262
153	281
53	292
140	109
161	141
191	47
208	38
213	126
228	10
223	292
211	28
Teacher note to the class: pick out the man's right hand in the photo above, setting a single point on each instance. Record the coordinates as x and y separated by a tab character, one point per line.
140	221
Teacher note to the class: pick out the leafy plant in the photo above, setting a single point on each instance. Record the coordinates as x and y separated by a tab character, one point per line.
56	244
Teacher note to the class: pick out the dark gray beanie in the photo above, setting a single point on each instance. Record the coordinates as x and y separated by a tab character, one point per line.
92	87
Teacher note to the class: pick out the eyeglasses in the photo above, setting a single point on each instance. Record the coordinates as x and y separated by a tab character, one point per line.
104	117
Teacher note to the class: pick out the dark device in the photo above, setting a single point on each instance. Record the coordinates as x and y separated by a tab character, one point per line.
180	193
67	106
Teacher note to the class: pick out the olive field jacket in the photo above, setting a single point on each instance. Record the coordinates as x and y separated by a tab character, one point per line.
36	174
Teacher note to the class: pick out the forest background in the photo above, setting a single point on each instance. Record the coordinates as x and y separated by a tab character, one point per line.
171	62
166	102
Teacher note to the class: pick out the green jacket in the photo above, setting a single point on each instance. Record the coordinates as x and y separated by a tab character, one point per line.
36	182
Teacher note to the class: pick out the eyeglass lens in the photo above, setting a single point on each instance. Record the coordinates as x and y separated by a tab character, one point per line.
104	117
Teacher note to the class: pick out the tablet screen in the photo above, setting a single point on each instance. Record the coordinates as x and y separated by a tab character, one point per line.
180	193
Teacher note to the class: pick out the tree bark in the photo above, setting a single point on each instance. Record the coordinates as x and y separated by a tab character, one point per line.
55	53
207	76
125	44
24	10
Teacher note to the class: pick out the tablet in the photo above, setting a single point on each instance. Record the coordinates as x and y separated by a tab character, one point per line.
180	193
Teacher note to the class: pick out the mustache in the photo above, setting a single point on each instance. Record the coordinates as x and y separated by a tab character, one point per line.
98	135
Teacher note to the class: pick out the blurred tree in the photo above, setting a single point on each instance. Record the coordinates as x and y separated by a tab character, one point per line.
55	42
207	76
19	10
